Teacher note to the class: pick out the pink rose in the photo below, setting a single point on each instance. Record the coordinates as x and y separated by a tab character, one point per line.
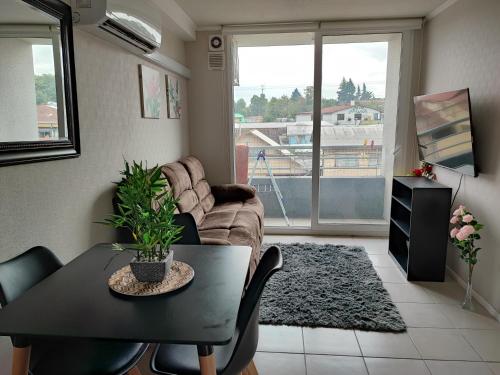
454	220
459	211
467	218
468	229
465	232
454	232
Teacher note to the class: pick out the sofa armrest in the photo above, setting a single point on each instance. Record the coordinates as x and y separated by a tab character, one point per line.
232	192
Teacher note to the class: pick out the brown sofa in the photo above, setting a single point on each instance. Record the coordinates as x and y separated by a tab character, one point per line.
225	215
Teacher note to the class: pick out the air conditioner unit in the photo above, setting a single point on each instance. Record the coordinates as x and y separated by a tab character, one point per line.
133	24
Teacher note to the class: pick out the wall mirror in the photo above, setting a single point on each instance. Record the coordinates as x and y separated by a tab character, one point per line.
38	106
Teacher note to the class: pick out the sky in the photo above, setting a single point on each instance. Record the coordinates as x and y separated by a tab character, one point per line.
43	59
281	69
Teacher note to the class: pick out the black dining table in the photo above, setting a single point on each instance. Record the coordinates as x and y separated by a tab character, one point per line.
75	302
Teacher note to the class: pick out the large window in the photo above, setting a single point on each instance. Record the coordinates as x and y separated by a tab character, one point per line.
341	174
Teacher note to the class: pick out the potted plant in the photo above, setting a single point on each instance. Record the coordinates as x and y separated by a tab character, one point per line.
463	235
146	208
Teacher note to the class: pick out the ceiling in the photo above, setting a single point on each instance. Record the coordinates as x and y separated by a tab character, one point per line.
18	12
226	12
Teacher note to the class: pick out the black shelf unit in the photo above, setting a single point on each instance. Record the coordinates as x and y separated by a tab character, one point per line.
418	235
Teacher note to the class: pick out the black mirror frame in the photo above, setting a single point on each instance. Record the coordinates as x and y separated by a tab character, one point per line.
12	153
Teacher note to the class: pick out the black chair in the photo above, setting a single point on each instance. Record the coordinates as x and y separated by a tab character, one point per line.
189	235
236	356
54	357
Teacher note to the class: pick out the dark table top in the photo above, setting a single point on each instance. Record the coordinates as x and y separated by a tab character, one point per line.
76	302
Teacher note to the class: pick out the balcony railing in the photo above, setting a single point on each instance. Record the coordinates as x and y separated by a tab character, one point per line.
296	160
352	183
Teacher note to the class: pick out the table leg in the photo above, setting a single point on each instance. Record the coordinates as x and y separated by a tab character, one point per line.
206	357
21	360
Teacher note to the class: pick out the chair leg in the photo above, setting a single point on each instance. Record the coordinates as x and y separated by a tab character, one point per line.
206	357
250	369
207	365
135	371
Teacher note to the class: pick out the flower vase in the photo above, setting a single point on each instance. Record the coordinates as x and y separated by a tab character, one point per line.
467	304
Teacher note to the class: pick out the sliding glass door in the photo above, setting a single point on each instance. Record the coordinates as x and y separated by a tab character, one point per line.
314	125
272	128
353	132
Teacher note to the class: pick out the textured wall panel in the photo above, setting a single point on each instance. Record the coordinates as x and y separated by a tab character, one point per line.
55	204
462	49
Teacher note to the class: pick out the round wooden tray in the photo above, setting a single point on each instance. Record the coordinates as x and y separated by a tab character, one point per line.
123	281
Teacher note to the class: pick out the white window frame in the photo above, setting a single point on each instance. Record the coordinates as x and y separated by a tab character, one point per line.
409	70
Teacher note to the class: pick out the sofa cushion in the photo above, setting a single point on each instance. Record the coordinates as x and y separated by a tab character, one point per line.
240	236
207	203
179	181
200	185
254	205
178	178
215	233
198	214
218	220
205	196
202	189
194	168
187	201
249	220
231	206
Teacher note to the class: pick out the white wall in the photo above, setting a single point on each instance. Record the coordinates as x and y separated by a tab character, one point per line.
462	49
18	116
57	203
208	120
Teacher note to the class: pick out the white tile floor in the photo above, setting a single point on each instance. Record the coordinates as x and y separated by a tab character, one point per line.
442	339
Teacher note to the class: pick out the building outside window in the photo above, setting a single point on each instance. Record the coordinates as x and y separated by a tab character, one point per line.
346	160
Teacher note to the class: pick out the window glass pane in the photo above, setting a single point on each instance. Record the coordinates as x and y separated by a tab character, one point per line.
352	181
273	104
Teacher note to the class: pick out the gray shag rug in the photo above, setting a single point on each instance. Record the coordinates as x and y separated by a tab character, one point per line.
328	286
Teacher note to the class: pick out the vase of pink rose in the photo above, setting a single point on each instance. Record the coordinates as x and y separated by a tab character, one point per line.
463	234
